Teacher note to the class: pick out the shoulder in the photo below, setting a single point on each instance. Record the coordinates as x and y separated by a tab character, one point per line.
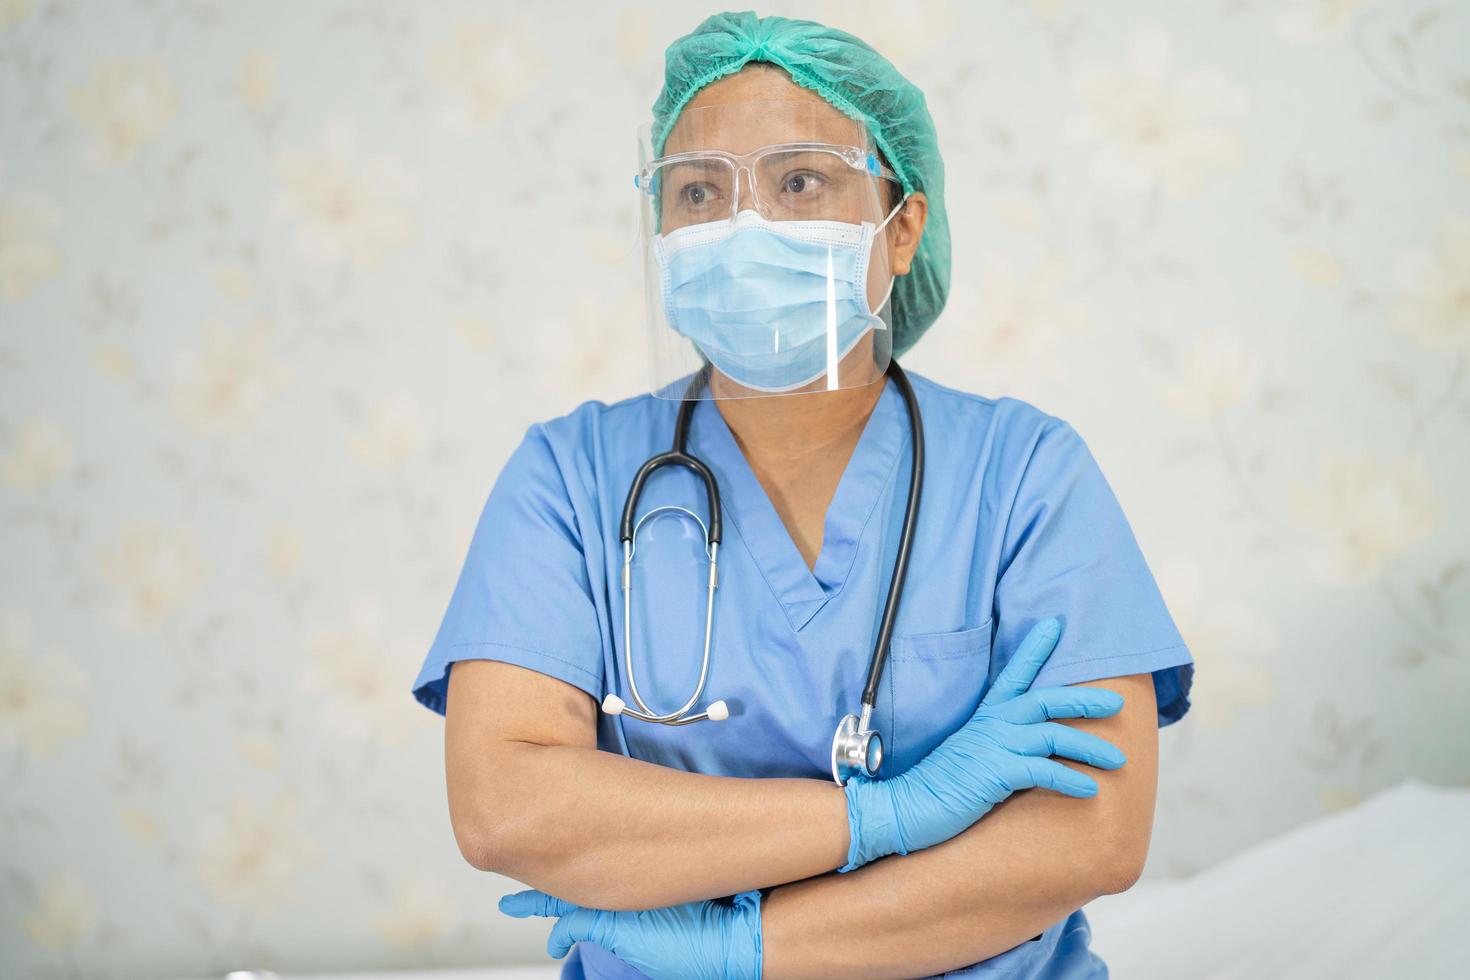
593	428
1003	426
573	454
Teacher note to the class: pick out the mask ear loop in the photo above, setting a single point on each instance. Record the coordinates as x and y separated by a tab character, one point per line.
901	205
896	208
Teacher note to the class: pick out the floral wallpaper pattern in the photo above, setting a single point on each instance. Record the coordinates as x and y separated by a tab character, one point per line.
281	286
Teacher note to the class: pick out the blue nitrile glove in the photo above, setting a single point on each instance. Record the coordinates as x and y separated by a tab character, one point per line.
714	939
1000	750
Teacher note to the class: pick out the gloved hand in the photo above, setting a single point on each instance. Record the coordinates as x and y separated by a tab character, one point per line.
1001	749
713	939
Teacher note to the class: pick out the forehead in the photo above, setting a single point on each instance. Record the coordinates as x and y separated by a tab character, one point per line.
754	107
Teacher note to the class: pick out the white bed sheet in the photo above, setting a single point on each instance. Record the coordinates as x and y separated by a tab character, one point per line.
1381	889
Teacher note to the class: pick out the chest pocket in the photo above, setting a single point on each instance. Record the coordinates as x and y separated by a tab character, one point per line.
935	682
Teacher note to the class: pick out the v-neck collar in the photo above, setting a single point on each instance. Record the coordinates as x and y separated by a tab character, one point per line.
802	592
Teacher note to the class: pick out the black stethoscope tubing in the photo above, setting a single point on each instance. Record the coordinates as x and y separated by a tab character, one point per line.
680	456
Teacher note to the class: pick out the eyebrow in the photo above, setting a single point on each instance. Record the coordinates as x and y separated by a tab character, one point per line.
702	163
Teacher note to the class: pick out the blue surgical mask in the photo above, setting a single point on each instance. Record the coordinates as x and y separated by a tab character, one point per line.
753	295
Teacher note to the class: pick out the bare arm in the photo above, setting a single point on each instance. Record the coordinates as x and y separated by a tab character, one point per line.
531	797
1027	864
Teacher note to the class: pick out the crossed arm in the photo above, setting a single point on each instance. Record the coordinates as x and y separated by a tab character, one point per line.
531	797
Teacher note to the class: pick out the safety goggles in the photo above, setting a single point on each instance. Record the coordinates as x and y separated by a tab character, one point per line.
798	181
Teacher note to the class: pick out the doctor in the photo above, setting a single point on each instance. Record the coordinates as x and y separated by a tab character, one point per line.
796	243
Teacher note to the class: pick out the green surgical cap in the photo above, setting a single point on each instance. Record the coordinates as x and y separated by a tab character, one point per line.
862	84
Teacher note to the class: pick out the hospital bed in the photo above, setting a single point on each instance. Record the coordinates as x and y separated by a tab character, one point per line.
1379	890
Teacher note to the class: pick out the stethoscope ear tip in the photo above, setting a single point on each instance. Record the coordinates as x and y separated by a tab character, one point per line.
718	711
613	705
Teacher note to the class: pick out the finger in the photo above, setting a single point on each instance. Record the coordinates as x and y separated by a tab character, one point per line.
580	925
532	902
1050	703
1021	669
1051	738
1047	774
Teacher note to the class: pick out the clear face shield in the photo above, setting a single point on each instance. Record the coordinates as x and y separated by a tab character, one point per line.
767	263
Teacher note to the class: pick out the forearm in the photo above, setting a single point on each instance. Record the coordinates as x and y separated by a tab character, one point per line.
1025	865
614	832
1029	863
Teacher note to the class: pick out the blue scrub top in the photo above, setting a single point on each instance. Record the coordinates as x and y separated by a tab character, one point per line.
1017	523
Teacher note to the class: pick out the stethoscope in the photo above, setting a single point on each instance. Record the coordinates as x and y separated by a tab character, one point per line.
856	748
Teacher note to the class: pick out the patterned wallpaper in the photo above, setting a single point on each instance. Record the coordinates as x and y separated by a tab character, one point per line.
282	284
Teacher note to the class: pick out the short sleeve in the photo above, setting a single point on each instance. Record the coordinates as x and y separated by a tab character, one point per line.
523	595
1069	552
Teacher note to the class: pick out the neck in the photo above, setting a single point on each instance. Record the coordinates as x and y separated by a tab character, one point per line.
776	432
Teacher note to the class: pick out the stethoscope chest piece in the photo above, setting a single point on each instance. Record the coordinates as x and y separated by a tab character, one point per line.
856	750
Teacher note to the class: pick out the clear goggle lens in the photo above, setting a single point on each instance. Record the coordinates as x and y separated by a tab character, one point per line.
783	182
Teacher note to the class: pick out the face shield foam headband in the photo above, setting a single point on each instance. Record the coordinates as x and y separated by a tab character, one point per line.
774	305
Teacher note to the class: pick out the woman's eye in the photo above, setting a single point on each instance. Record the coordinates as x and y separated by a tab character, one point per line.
804	182
697	195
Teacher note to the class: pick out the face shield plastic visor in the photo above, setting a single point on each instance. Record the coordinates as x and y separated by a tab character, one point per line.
766	233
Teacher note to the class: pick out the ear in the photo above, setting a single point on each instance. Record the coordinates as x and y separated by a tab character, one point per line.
905	230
